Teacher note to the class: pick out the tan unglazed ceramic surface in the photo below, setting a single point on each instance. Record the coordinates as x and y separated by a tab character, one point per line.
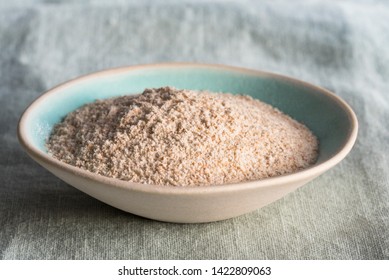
190	204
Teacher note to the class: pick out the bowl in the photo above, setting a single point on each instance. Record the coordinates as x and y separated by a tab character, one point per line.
328	116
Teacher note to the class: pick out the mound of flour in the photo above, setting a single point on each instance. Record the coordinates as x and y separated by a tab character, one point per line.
167	136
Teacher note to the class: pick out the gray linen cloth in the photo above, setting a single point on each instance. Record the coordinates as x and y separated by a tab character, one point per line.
340	45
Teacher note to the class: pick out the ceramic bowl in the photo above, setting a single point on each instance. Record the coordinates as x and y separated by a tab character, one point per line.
329	117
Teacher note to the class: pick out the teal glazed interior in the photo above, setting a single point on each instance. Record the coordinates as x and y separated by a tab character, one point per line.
321	113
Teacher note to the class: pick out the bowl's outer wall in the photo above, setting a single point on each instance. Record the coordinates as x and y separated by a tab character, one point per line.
182	208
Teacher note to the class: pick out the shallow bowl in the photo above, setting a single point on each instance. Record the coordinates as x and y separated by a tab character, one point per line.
328	116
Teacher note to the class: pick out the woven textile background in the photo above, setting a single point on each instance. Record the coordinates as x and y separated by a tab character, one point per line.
340	45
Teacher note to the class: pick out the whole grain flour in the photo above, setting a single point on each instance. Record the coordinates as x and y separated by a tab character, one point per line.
167	136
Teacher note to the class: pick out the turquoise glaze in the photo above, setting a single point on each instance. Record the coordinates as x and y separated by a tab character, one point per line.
320	112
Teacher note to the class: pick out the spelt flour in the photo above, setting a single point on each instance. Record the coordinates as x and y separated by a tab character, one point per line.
167	136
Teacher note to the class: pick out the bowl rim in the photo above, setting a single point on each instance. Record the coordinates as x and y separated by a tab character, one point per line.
307	173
